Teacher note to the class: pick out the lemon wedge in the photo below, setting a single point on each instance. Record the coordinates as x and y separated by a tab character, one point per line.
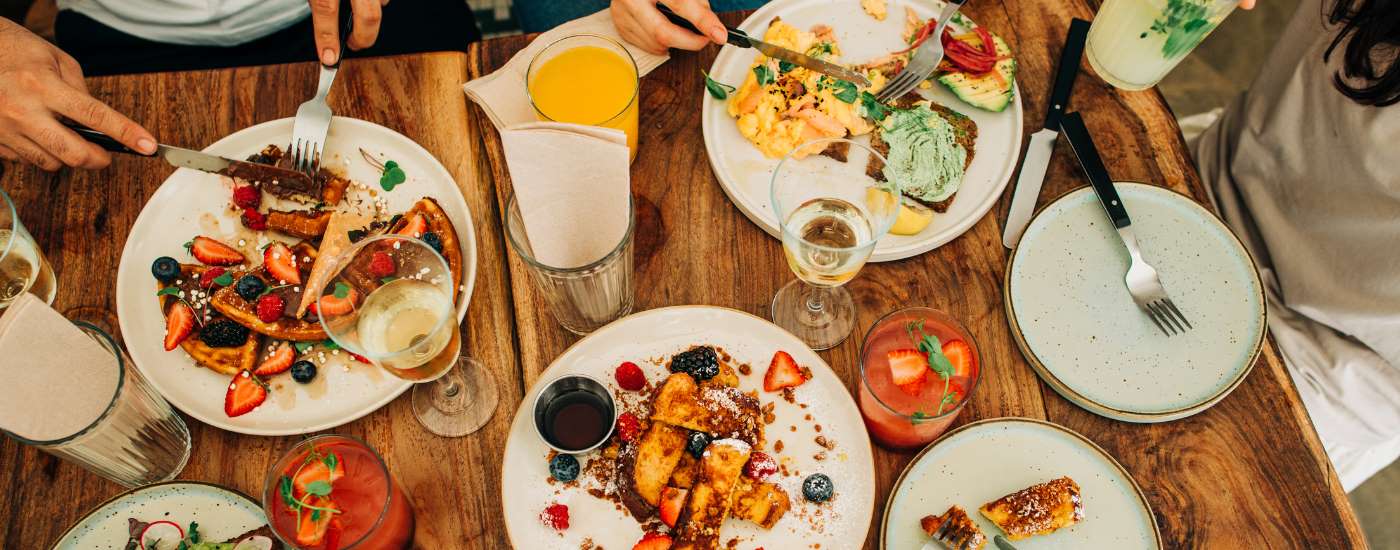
911	219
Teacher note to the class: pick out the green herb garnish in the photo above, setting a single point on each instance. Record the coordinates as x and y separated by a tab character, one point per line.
820	48
840	89
387	280
764	75
193	533
937	362
392	177
717	89
871	108
1185	24
784	66
341	290
330	345
224	280
168	291
302	347
320	488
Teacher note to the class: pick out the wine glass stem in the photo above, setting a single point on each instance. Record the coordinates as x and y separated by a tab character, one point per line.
452	389
816	300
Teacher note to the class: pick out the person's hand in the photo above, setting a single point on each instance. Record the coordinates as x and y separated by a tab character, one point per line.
641	24
364	29
38	84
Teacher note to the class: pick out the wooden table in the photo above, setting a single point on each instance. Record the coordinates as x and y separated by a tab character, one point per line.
1247	473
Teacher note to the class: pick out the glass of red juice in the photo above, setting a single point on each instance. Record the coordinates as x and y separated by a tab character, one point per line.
333	492
905	401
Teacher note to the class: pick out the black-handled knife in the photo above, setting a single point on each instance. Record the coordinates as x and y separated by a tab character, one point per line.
1066	73
1073	127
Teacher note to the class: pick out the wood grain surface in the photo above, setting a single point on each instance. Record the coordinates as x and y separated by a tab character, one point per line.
1248	473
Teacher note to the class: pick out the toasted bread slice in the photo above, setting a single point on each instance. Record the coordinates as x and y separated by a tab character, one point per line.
965	130
1037	510
759	502
716	409
307	224
684	474
439	223
961	533
227	302
227	361
644	467
710	499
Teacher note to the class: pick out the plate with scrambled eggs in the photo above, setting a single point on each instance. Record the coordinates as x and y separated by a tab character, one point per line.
953	147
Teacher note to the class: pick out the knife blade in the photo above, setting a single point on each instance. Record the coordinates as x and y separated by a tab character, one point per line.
1042	143
743	40
1002	543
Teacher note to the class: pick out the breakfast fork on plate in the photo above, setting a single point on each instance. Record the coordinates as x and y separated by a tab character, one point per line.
925	60
1142	280
949	537
313	119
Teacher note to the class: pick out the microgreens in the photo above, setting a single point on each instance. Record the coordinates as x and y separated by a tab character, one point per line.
168	291
189	246
784	66
717	89
224	280
330	345
763	74
390	173
302	347
341	290
387	280
320	488
871	108
269	290
842	90
937	362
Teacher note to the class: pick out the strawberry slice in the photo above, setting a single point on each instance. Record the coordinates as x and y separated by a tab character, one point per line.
318	471
315	523
281	264
908	369
179	323
416	226
245	393
672	500
330	306
653	541
211	252
280	361
782	373
960	355
333	534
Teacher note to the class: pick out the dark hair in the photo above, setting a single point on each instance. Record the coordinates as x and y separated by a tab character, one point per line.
1371	25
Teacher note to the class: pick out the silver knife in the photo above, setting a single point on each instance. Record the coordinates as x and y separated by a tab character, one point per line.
743	40
1042	144
1002	543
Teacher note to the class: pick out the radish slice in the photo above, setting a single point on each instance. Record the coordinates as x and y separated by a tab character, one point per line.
162	535
255	542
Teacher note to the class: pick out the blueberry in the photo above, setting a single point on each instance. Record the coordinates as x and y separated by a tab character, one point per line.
250	287
817	488
166	269
303	371
696	442
564	467
700	363
433	240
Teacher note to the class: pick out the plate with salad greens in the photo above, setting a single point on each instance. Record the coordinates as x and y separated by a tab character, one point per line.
952	145
175	515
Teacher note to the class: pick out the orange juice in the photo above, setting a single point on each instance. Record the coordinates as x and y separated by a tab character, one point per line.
593	82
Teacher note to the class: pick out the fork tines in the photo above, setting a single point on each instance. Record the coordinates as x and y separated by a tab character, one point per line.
306	157
1167	317
953	538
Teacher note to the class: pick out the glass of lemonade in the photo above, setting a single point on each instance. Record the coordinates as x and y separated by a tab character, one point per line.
830	213
907	397
390	301
334	492
586	79
22	266
1134	43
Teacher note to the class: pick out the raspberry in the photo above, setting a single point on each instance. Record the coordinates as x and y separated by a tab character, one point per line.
270	308
206	280
760	466
246	196
627	427
556	517
630	376
252	219
381	265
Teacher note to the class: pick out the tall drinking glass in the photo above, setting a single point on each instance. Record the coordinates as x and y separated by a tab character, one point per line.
137	441
335	492
22	266
586	79
831	214
1134	43
390	301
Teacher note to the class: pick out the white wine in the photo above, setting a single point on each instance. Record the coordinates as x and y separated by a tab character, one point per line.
823	252
405	324
24	269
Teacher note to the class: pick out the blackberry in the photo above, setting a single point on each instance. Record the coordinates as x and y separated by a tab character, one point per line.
249	287
356	235
564	467
303	371
700	363
224	334
818	488
696	442
433	240
165	269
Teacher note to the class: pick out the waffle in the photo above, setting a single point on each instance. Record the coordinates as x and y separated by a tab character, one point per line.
227	361
227	302
438	223
1037	510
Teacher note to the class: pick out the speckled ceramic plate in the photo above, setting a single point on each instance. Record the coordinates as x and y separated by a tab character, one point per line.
222	514
1080	330
986	460
821	407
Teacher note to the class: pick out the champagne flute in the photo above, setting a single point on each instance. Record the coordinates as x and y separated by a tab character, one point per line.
390	301
831	214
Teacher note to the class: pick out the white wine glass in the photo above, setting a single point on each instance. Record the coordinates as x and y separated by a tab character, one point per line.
832	212
390	301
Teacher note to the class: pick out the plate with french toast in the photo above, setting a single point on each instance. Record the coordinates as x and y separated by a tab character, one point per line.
1033	483
215	287
726	432
951	144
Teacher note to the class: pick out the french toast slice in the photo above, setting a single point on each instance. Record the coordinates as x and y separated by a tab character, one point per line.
716	409
644	467
759	502
698	527
440	224
228	361
227	302
1037	510
961	532
683	476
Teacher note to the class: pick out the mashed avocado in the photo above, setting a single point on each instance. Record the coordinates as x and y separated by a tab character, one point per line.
925	158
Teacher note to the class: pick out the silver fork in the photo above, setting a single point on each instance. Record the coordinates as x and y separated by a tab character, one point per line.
314	115
925	60
1142	280
944	538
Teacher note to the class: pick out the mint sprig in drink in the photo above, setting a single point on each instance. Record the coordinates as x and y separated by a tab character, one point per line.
1133	44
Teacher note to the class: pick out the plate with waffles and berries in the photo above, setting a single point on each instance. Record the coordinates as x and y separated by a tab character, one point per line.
721	430
214	289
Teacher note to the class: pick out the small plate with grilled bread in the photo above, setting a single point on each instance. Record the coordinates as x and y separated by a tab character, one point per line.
163	514
728	432
1034	483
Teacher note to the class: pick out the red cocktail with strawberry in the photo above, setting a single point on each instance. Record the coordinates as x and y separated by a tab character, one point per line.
334	492
918	367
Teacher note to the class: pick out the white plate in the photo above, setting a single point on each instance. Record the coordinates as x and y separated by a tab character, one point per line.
222	514
986	460
1079	328
659	333
191	203
744	172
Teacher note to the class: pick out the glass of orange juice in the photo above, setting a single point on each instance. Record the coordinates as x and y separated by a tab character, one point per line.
586	79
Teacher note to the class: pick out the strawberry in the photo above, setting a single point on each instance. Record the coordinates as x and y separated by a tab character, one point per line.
416	226
782	373
280	361
252	219
330	306
313	527
317	470
245	393
653	541
908	369
627	427
206	279
760	466
556	516
672	500
359	358
333	534
281	264
270	307
629	376
381	265
211	252
179	323
960	355
246	196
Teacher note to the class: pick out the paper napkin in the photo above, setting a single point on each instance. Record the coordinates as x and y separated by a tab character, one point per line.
502	93
573	189
58	380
